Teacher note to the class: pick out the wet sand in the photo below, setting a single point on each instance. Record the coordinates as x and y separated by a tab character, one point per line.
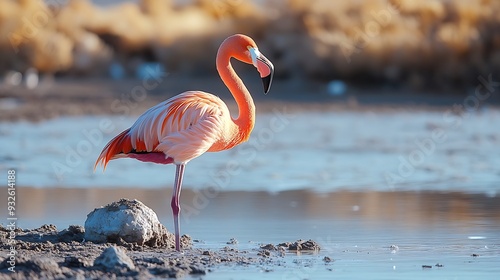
384	234
46	253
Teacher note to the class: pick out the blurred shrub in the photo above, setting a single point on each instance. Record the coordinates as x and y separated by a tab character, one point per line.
418	43
421	43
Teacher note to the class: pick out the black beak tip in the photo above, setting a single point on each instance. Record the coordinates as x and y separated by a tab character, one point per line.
266	81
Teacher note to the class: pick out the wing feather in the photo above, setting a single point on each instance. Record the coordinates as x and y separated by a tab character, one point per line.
182	127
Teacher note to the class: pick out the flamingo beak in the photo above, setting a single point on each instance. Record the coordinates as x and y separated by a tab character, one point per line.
264	66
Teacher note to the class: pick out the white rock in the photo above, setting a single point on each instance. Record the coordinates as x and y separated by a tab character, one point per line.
112	258
394	248
129	220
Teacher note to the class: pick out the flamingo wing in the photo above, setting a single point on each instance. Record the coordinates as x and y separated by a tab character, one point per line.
174	131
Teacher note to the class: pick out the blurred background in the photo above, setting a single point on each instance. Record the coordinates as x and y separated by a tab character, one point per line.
416	45
383	115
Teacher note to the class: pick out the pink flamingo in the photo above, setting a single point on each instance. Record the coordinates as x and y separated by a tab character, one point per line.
194	122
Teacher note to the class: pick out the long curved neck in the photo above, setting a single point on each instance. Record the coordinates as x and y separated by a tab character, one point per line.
246	107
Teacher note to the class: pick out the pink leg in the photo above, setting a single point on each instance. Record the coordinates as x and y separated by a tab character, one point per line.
176	207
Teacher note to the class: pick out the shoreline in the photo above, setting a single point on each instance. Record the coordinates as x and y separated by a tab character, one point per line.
71	97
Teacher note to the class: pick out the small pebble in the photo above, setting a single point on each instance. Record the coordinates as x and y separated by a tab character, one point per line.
426	266
114	257
232	241
264	253
270	247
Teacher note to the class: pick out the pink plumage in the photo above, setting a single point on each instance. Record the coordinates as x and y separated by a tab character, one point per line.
174	131
194	122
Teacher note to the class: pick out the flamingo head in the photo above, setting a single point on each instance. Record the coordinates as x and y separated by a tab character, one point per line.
246	51
263	65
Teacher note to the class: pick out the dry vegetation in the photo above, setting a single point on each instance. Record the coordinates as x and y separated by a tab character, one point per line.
415	42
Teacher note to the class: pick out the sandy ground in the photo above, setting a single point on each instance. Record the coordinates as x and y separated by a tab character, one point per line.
46	253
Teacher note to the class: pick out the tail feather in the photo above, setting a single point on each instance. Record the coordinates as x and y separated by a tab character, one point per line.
121	144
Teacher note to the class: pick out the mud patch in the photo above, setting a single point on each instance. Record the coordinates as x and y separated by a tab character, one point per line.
46	253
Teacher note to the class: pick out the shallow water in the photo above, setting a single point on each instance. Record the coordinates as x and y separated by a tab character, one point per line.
355	229
324	152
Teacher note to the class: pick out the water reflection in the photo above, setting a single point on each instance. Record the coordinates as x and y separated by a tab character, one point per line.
63	206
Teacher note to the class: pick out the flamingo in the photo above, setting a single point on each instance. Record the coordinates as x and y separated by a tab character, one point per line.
187	125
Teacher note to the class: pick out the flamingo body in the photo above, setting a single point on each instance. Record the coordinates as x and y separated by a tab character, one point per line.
194	122
176	131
